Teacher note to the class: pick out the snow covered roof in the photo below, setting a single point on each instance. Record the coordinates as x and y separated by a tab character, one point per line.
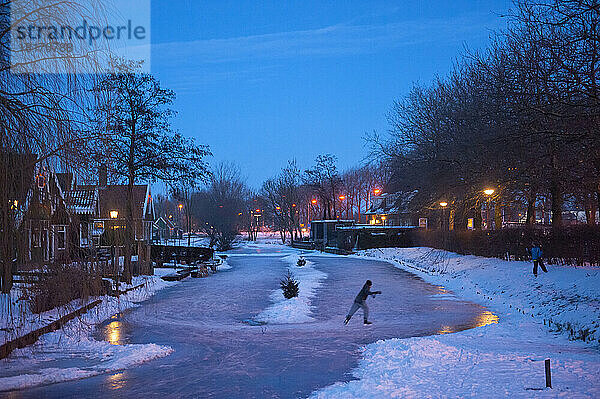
82	200
391	203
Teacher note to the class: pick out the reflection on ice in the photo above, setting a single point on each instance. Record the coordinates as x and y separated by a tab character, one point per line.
113	332
483	319
486	318
116	381
446	330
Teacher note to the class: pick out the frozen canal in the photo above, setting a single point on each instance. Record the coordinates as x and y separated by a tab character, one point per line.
216	355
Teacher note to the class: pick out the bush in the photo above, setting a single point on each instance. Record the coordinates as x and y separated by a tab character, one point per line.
289	286
60	283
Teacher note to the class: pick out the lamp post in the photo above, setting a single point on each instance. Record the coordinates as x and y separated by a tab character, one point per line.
313	202
179	237
342	198
489	192
114	214
376	192
443	204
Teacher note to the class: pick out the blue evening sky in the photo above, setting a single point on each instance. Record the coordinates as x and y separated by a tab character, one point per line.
263	82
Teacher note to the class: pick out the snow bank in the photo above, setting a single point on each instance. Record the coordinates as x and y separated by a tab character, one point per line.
24	368
484	362
111	358
224	265
566	298
17	320
294	310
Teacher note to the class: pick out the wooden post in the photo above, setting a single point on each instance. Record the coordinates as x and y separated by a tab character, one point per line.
548	375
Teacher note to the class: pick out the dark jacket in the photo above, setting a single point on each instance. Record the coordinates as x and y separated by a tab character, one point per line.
364	293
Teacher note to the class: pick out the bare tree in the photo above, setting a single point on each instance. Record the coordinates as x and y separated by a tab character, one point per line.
221	205
325	181
138	144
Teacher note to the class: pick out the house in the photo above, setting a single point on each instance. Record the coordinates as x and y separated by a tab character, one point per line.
164	229
112	208
41	214
392	209
99	213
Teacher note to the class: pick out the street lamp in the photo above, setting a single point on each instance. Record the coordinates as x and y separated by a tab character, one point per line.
443	204
489	192
308	215
341	198
113	215
180	206
377	191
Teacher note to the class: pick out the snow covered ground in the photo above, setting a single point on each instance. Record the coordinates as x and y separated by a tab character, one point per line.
298	309
38	364
504	359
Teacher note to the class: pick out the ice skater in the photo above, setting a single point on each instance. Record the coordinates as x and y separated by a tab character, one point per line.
536	256
361	302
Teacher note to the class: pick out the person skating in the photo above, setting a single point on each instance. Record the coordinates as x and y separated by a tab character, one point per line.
536	256
361	302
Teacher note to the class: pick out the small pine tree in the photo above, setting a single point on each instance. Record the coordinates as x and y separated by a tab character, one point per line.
289	286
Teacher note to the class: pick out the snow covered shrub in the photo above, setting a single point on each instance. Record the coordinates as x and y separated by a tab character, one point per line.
289	286
60	283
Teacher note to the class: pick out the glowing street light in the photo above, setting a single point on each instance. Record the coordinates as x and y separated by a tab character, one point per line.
489	192
314	201
342	197
180	206
443	204
278	208
377	191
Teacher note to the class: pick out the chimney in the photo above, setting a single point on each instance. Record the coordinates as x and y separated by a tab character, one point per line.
102	175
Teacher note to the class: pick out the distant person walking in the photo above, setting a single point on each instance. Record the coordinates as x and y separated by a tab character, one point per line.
361	302
536	256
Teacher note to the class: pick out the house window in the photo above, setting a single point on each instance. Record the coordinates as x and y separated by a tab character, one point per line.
36	238
61	237
84	234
